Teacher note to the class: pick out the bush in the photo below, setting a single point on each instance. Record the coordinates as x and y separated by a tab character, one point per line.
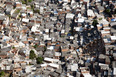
35	46
39	60
32	6
30	0
36	11
13	47
95	22
26	1
28	7
9	16
107	11
32	55
23	2
17	11
2	73
100	18
45	48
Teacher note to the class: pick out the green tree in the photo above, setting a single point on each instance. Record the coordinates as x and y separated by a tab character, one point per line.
95	22
36	11
13	47
2	73
23	1
107	11
30	0
45	48
100	18
39	60
26	1
17	11
35	46
32	7
32	55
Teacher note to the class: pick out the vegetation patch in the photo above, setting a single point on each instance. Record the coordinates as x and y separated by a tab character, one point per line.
39	60
100	18
17	11
32	55
95	22
2	74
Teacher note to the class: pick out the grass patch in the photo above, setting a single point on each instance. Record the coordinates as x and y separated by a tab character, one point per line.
17	11
13	47
30	0
26	1
100	18
23	1
35	46
36	11
28	8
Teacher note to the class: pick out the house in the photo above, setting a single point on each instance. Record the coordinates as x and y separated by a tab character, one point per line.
106	28
38	21
112	24
53	65
84	72
104	33
41	9
54	74
78	29
74	67
23	7
90	13
114	55
103	66
14	15
49	60
64	48
100	9
107	61
113	38
104	22
28	69
57	55
35	28
99	26
114	71
9	10
23	15
18	5
25	20
3	55
2	19
17	71
81	20
69	15
30	13
40	48
62	33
